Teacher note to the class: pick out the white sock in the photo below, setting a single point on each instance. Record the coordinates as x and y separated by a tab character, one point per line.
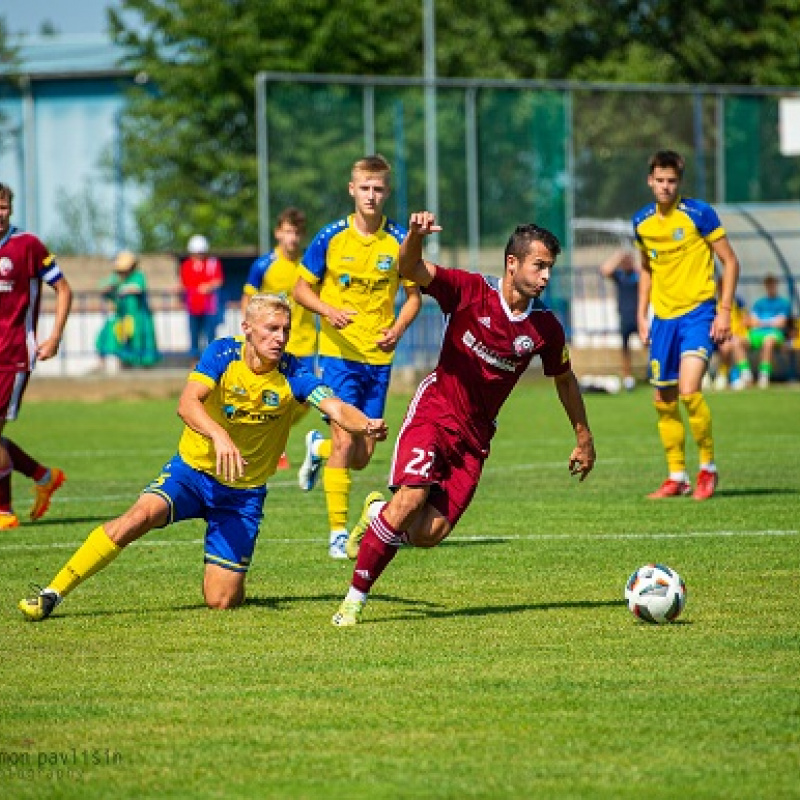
334	535
678	476
712	467
355	594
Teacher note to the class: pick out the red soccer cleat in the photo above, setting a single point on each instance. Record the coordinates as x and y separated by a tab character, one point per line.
706	484
671	488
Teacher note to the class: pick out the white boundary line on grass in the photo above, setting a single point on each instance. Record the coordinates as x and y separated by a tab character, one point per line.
530	537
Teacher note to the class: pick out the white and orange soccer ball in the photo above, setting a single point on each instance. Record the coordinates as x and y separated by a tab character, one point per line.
655	593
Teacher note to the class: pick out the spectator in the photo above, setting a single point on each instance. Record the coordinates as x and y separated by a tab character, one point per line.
623	268
129	333
201	278
769	321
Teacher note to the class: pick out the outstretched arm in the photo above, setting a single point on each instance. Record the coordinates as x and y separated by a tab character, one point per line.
412	266
352	419
583	456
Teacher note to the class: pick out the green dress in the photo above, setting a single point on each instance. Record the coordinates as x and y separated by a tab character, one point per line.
129	332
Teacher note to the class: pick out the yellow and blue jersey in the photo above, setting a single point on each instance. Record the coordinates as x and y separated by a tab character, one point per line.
678	248
274	273
255	410
360	273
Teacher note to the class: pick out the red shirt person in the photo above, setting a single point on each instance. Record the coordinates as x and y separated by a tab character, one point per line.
25	265
495	327
201	278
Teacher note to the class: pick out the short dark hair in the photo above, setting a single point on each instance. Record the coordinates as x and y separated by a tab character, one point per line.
666	159
7	192
294	217
519	244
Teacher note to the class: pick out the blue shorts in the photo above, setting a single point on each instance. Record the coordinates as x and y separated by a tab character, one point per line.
362	385
232	515
672	339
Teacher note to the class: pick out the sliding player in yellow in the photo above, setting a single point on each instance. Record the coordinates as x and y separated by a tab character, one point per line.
237	407
352	265
678	238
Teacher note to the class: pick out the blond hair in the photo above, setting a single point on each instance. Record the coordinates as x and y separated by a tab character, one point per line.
372	165
267	304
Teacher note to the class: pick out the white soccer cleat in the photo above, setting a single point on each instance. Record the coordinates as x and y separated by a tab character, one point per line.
310	469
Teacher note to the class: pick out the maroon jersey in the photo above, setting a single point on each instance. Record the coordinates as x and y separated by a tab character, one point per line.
485	350
24	263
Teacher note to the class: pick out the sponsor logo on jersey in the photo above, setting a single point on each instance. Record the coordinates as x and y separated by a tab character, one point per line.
270	398
485	354
384	263
485	321
6	265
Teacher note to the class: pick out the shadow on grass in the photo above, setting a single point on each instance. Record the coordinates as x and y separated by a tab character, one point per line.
486	611
754	491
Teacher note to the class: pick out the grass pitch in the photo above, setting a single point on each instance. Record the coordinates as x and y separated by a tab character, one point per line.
503	664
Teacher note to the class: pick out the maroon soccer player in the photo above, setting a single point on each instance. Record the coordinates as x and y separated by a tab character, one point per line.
25	264
495	327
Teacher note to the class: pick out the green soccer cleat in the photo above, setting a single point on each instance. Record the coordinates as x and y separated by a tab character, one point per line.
360	528
349	613
40	606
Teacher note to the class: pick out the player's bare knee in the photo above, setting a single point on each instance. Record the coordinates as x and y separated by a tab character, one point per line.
224	602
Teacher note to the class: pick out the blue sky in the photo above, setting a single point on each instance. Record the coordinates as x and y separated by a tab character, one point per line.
68	16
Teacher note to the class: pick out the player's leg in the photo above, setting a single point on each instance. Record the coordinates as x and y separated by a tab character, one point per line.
664	371
12	388
234	517
696	346
101	547
47	480
344	377
431	496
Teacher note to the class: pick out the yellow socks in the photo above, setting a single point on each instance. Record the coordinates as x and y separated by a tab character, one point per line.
323	449
700	423
94	554
336	482
673	437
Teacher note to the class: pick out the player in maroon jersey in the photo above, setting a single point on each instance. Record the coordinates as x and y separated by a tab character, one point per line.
25	264
495	327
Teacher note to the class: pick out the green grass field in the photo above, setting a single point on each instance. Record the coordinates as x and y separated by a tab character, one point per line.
503	664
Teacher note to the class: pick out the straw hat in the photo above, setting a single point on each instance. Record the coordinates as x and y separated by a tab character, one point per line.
125	260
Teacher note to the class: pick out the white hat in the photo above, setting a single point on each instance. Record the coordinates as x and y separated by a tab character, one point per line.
198	244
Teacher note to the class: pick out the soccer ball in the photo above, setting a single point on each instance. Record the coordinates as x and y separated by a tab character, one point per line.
655	593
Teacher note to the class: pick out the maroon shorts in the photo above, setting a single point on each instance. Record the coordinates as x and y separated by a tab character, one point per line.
12	387
428	454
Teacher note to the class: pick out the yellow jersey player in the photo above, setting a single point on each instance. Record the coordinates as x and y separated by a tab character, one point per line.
678	238
276	273
350	277
237	407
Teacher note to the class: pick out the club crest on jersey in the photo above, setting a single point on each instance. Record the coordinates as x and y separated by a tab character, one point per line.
6	265
523	345
229	411
384	263
678	234
270	398
344	280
